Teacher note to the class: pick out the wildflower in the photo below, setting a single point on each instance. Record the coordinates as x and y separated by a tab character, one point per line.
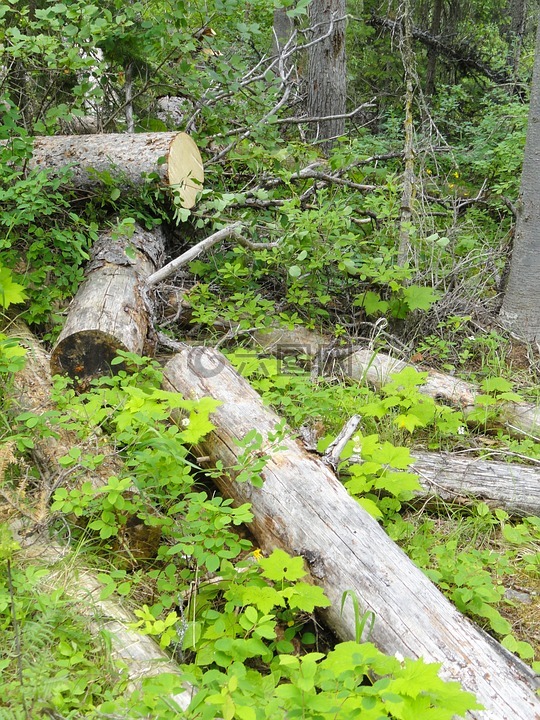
456	175
461	430
257	554
185	422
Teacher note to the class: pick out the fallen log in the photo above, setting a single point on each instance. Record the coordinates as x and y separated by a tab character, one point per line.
304	509
376	369
455	477
109	312
130	157
139	655
467	480
30	390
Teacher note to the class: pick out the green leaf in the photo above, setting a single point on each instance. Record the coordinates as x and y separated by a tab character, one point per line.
370	507
419	298
10	291
496	385
372	303
295	271
303	596
281	566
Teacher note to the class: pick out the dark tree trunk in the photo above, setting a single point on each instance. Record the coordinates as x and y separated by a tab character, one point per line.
327	76
434	30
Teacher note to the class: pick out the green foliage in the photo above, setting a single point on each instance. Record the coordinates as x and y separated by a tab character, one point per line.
50	662
410	409
382	469
244	628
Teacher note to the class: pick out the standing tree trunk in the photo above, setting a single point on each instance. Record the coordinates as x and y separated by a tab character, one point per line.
434	30
520	310
408	192
516	32
327	71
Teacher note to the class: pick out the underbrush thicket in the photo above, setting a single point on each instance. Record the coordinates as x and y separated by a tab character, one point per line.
243	627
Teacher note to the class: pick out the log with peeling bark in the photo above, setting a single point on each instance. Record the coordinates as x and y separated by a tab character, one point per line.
128	157
109	312
463	479
304	509
137	655
376	369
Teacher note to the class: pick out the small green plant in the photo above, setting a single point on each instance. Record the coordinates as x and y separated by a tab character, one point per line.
409	409
382	470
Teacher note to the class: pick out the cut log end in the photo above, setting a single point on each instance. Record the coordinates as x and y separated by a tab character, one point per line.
87	354
185	169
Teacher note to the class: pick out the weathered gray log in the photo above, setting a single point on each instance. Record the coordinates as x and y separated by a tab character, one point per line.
304	509
139	655
466	480
376	369
109	312
128	157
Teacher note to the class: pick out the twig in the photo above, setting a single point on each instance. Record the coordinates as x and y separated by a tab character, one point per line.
169	269
334	450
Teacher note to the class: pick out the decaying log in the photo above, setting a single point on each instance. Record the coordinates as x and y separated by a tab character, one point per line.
464	479
31	392
376	369
128	157
304	509
139	654
109	312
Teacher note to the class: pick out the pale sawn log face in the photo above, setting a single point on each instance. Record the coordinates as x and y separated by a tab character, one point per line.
128	157
303	508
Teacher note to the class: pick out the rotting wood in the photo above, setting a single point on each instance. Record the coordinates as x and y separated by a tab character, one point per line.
130	157
304	509
109	312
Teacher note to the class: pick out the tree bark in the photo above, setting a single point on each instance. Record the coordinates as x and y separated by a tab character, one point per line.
408	190
520	310
109	312
303	508
128	157
467	480
376	369
327	71
432	53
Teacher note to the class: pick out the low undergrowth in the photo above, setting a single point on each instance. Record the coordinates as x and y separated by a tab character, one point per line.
241	625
